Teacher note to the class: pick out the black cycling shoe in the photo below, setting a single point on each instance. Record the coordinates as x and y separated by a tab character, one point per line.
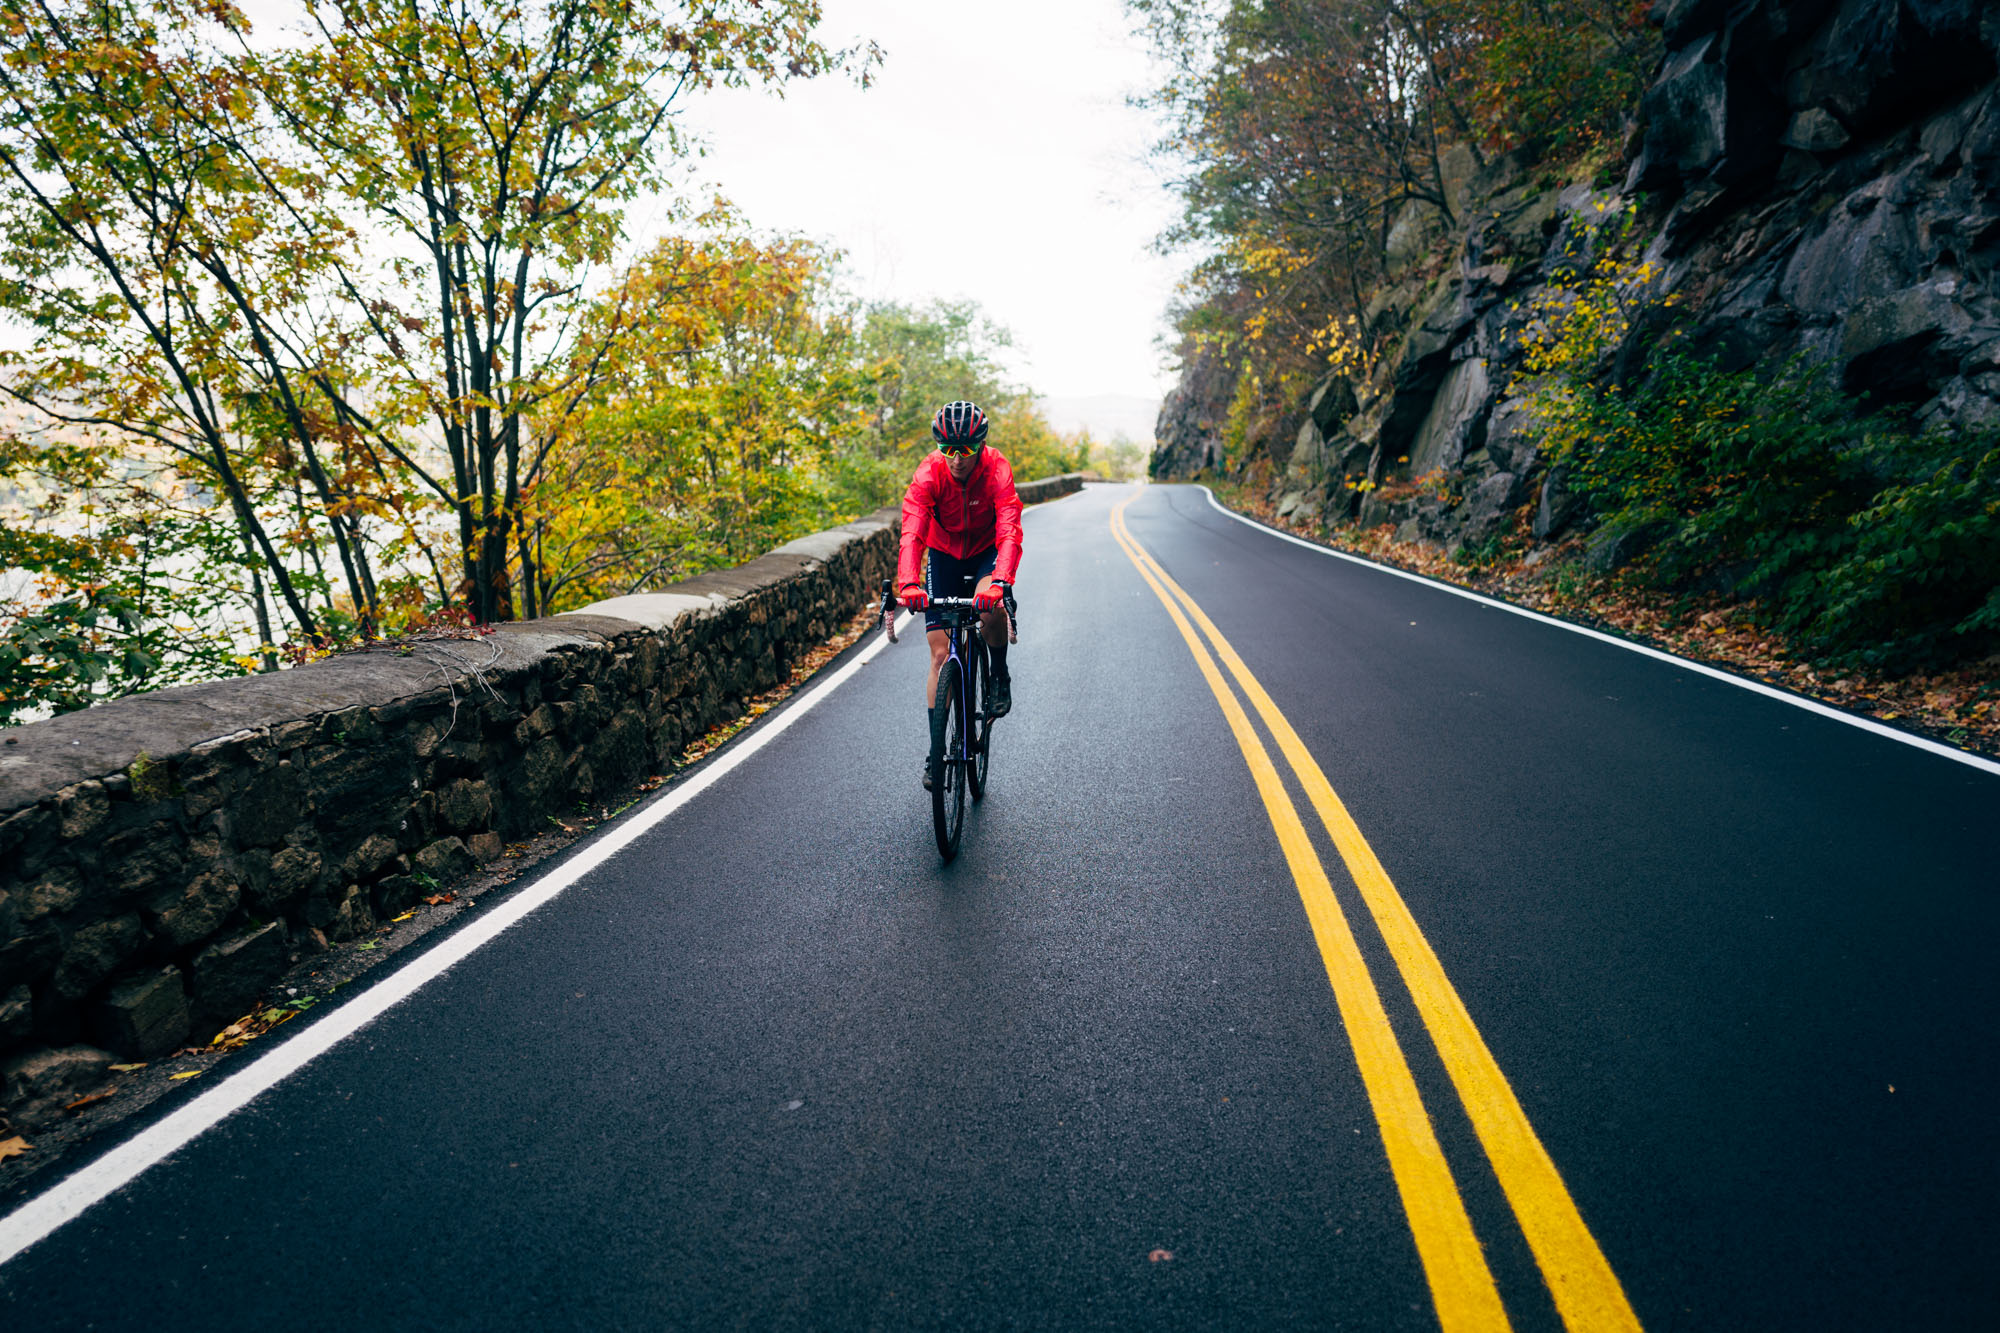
999	696
927	772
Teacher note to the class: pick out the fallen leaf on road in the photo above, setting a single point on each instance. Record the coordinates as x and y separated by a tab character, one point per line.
126	1069
191	1073
13	1147
91	1100
372	944
1160	1256
440	899
404	917
251	1026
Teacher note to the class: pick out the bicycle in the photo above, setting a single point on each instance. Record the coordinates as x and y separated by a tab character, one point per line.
961	729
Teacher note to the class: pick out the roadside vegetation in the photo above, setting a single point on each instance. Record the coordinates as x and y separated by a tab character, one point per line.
1300	131
1838	538
341	332
1860	537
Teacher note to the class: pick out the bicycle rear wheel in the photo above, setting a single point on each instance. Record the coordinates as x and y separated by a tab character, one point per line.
977	667
948	766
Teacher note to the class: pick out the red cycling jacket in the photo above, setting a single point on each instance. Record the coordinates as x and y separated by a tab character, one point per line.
960	520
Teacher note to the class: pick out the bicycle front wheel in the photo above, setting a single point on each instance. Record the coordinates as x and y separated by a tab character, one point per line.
981	727
948	762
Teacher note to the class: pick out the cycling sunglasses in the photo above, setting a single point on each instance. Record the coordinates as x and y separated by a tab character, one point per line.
959	448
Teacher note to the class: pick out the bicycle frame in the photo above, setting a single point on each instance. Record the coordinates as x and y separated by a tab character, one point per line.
961	620
959	744
961	617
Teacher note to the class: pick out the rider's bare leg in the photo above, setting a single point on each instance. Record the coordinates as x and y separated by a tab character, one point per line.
993	628
940	649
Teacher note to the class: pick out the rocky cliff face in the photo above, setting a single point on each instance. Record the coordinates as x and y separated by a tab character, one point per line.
1188	438
1816	179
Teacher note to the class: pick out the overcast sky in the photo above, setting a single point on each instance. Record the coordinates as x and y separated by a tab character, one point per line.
994	158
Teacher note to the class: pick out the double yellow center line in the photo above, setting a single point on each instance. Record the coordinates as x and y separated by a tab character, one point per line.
1587	1293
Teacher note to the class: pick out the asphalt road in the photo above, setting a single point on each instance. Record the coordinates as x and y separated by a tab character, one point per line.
772	1066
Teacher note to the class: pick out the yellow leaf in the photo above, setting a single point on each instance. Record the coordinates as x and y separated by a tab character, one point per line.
191	1073
126	1069
13	1147
404	917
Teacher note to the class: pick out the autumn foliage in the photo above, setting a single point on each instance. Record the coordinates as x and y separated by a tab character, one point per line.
1305	132
339	330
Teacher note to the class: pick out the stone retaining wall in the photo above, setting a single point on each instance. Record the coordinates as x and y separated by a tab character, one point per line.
165	856
1049	488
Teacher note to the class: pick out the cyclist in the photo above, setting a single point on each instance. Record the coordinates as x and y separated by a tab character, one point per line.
962	536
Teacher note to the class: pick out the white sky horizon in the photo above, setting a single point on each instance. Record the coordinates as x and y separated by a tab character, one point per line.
994	159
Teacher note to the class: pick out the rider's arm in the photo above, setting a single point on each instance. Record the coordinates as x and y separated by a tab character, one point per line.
1006	523
916	524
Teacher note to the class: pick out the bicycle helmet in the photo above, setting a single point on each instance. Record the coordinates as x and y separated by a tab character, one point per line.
959	428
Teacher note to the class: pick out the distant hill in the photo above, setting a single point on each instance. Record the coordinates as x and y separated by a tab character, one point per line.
1105	415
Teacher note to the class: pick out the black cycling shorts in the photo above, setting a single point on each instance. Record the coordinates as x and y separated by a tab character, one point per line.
949	576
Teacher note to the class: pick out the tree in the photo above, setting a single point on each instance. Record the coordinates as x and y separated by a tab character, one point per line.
489	147
1307	130
743	404
940	353
116	580
136	247
730	383
336	284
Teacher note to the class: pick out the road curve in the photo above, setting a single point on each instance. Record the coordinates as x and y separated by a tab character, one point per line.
771	1065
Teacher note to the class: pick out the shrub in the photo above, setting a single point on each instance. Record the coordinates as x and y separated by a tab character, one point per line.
1920	580
1870	542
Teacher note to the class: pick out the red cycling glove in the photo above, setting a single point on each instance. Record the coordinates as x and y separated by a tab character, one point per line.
914	597
990	597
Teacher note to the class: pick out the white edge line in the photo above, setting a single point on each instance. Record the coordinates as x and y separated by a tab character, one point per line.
1702	668
70	1197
